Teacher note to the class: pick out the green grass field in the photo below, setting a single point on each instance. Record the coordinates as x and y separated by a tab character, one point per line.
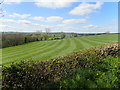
44	50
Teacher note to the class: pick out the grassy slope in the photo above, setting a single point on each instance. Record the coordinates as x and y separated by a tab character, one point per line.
44	50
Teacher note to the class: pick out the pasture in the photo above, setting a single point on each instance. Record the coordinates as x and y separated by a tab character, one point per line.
45	50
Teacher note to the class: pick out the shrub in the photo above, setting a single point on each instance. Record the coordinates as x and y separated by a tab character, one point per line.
47	74
104	76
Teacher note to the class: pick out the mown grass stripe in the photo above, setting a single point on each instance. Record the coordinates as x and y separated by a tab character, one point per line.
78	44
21	50
47	52
32	49
27	46
55	51
84	43
32	54
68	48
93	43
104	38
19	47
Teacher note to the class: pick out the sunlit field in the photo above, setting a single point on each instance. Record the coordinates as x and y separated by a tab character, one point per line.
45	50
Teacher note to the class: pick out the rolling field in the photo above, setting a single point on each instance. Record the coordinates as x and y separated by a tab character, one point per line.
44	50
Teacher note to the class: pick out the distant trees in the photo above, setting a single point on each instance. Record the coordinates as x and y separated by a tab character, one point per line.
14	39
74	35
39	35
25	40
18	39
46	34
62	35
47	30
85	34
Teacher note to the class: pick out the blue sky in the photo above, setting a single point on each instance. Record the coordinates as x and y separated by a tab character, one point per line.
81	17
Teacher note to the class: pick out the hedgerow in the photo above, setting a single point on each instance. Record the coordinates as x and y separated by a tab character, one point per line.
9	40
49	74
105	75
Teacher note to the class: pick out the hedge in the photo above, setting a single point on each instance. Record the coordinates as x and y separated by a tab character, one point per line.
48	74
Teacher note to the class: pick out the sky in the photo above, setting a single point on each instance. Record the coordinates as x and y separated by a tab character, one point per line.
79	17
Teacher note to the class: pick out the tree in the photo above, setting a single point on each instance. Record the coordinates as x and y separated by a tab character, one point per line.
47	30
1	10
25	41
62	35
18	39
38	32
46	34
39	35
74	34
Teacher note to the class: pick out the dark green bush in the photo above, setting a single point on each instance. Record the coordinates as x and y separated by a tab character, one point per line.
47	74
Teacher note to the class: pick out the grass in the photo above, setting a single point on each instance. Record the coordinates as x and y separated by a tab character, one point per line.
91	68
105	75
45	50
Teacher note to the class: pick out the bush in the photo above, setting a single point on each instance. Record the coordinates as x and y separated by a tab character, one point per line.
104	76
47	74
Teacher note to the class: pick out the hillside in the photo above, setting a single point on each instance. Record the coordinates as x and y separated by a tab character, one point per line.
44	50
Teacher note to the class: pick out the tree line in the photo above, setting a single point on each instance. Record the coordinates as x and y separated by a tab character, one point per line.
9	40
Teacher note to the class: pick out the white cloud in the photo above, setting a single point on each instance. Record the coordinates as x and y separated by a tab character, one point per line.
24	21
10	21
89	26
13	1
64	28
53	19
86	8
38	18
9	28
86	28
24	25
98	29
54	3
7	21
68	25
75	21
18	25
19	15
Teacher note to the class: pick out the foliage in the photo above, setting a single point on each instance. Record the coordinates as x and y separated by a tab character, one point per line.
9	40
105	75
74	34
63	35
48	74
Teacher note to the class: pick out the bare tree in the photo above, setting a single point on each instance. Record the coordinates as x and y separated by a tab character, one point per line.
1	1
1	10
39	32
47	30
38	35
62	35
